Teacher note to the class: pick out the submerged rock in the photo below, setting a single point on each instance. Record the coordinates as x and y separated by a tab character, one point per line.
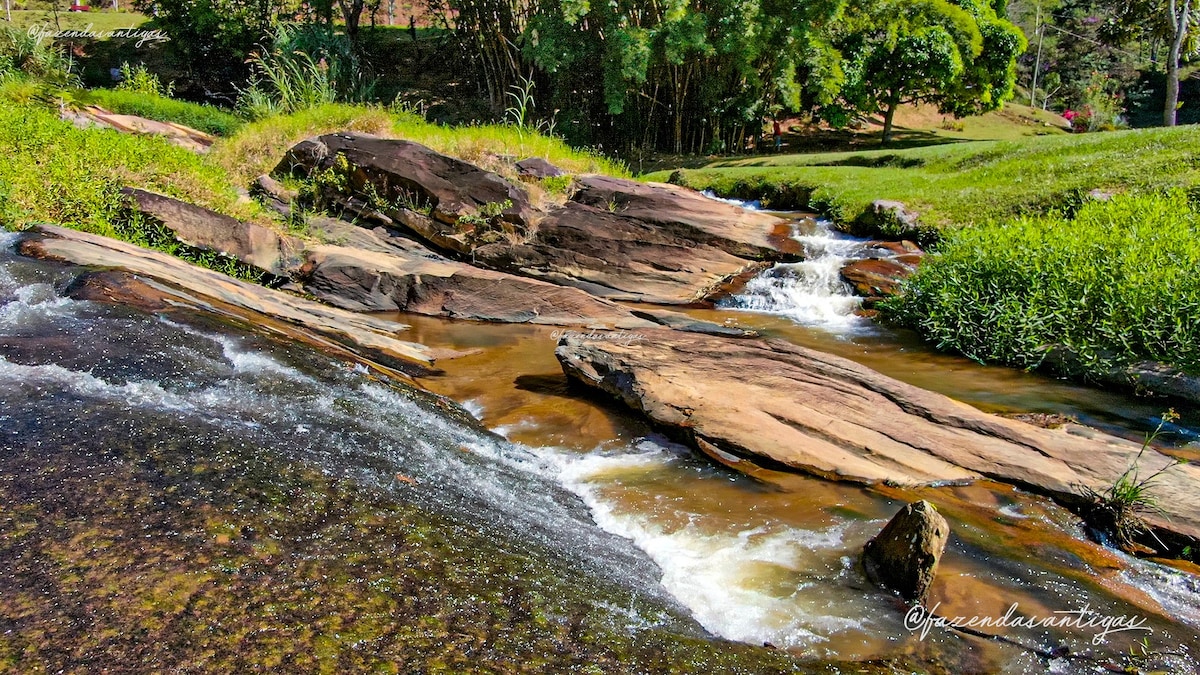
776	404
904	556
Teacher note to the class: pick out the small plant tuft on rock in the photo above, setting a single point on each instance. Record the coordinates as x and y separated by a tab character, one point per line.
1118	511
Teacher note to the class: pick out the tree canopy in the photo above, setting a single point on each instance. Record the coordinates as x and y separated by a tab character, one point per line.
960	57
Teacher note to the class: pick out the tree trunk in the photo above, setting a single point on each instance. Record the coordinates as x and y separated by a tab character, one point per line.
888	116
1179	24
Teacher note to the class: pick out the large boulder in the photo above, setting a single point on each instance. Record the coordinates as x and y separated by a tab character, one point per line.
690	216
407	176
617	239
384	279
904	556
537	168
252	244
772	403
876	278
616	256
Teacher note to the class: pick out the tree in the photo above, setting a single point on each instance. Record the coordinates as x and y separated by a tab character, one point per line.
1178	18
680	75
960	57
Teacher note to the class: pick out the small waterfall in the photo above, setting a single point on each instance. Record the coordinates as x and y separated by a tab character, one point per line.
810	292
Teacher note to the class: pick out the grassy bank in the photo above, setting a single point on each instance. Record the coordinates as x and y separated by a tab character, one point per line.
960	184
57	173
206	118
61	174
1114	285
258	146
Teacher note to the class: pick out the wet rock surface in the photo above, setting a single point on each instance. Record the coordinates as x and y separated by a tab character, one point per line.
904	556
784	406
172	274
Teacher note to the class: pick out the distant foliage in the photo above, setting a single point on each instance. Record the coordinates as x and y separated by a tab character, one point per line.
303	67
1117	283
959	56
24	57
138	80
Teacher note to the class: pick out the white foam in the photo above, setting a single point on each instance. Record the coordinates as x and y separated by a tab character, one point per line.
135	393
749	206
747	585
34	303
242	360
811	292
475	407
1177	592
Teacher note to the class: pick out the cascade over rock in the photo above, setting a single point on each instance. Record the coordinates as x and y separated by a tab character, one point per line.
786	407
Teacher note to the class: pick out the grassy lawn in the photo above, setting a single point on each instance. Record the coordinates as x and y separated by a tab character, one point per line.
100	21
963	183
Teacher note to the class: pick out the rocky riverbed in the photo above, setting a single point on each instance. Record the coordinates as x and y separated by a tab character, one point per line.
436	237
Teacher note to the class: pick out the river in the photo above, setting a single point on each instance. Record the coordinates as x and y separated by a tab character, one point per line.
569	518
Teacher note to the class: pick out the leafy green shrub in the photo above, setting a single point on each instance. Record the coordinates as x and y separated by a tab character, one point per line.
24	56
138	80
206	118
1115	285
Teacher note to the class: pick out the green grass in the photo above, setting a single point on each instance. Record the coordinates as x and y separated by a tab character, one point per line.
101	21
1116	284
206	118
960	184
258	146
59	174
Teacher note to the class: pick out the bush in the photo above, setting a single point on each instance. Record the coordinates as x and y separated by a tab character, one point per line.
1115	285
138	80
206	118
305	66
23	56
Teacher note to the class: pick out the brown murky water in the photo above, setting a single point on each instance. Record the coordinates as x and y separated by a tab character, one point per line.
772	559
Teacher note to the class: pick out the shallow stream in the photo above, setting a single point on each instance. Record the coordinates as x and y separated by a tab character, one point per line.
148	461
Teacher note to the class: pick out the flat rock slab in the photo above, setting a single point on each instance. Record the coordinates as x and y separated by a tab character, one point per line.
57	243
387	278
185	137
793	408
686	214
615	256
250	243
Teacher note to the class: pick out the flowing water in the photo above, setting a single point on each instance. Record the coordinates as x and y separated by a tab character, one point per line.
810	292
573	517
